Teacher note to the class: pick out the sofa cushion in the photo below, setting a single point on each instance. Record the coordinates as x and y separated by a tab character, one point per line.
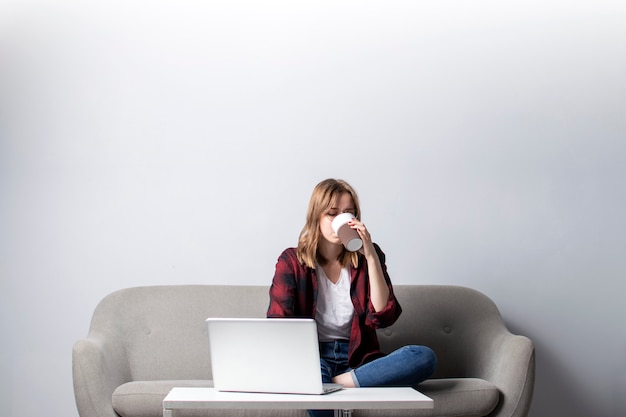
145	399
462	397
469	397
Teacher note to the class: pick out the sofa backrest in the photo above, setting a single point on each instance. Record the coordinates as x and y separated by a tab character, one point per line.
163	332
162	328
456	322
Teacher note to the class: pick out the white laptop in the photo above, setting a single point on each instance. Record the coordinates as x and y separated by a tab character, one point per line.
266	355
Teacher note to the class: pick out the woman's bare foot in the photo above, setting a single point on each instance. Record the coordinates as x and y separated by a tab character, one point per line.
345	380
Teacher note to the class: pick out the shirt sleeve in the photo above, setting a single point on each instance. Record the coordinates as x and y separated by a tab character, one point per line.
283	289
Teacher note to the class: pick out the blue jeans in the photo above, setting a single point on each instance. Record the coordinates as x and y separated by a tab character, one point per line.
405	367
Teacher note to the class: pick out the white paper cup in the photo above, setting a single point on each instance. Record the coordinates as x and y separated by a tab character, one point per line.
348	236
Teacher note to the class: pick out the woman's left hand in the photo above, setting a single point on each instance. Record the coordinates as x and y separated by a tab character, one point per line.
368	247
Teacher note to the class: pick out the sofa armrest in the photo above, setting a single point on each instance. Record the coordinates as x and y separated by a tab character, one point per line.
99	366
509	363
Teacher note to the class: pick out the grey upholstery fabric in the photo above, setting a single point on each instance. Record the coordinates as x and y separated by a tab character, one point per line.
454	397
144	341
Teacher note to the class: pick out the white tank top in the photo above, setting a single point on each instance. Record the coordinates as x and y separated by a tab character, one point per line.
334	309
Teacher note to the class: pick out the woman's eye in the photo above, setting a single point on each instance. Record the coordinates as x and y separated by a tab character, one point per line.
335	213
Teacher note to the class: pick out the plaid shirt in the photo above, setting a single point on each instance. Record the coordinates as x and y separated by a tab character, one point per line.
294	292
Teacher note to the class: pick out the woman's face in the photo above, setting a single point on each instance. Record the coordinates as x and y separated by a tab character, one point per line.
344	204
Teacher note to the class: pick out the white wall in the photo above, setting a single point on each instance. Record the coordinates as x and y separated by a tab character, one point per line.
156	142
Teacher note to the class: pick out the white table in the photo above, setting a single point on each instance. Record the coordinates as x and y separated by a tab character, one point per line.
343	401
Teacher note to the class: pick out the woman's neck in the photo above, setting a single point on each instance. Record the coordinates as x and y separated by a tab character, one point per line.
329	253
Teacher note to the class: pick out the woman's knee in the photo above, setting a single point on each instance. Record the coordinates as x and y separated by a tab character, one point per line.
423	358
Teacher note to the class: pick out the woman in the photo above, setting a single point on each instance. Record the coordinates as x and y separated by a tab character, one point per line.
349	294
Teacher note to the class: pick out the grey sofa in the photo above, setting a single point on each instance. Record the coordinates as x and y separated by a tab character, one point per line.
143	341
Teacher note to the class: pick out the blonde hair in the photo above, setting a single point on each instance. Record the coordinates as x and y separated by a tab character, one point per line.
324	197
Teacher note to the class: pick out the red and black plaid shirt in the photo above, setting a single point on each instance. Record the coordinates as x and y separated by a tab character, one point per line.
294	291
